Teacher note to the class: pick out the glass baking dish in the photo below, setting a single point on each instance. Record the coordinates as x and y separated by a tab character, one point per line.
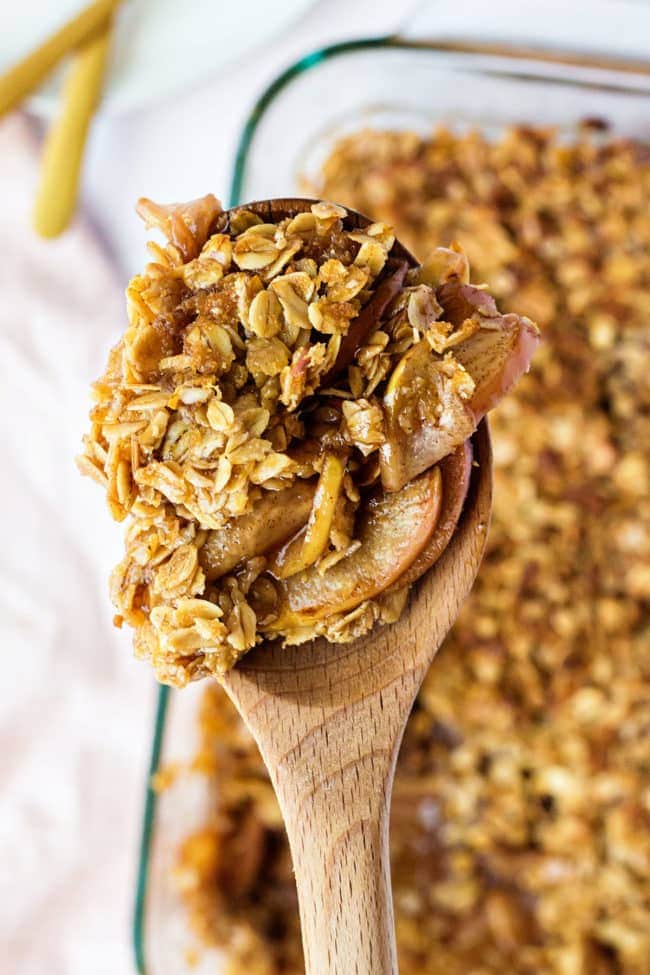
330	92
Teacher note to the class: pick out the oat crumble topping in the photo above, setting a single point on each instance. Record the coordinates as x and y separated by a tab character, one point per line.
275	409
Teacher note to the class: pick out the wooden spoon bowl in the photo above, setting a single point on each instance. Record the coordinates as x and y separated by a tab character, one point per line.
329	719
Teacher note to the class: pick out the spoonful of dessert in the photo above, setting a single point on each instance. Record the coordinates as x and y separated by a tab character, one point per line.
293	425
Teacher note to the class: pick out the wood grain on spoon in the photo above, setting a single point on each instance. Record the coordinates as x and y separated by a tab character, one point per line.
329	718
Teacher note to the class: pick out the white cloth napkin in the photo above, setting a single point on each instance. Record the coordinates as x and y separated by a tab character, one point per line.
75	710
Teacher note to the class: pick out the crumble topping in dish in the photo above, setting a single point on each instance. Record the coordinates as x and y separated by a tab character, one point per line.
521	808
273	421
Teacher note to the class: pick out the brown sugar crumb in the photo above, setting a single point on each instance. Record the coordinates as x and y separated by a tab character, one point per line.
522	803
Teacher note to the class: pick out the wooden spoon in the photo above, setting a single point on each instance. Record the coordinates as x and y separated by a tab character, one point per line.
329	719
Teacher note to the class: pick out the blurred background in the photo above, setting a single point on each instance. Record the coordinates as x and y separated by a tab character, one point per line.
522	808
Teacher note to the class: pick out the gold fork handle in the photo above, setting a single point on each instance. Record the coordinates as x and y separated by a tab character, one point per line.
25	76
65	142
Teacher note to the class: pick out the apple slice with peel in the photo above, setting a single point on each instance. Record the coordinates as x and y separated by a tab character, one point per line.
495	357
394	529
456	472
461	301
307	547
425	417
498	353
275	517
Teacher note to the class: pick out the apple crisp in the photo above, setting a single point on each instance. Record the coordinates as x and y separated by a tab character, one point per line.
278	422
521	811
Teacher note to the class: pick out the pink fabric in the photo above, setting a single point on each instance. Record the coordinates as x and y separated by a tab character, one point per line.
75	710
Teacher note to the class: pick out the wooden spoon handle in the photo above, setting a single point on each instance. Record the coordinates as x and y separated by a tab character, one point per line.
331	755
344	892
337	823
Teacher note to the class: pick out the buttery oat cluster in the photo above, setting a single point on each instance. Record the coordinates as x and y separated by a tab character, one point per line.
521	810
276	408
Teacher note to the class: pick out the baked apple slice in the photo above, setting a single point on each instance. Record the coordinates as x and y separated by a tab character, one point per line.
498	352
425	416
495	357
307	547
427	410
456	473
275	517
394	529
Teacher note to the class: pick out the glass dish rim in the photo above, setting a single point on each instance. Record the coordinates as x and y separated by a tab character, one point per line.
555	58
